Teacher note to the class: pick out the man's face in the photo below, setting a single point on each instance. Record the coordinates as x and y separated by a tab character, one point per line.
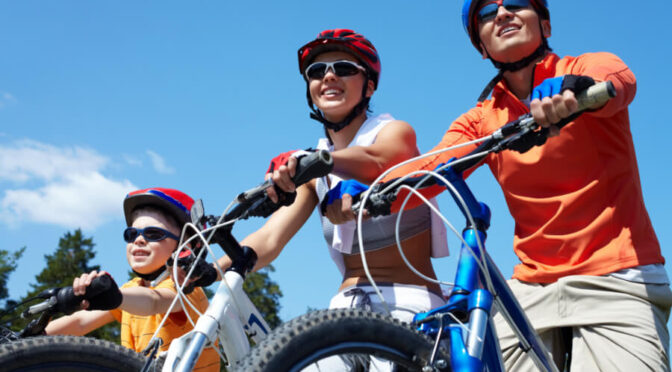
512	33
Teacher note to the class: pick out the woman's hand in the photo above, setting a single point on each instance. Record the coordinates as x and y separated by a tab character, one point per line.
282	170
337	204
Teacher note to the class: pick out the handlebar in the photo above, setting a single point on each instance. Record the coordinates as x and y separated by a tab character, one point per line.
255	202
519	135
317	164
102	293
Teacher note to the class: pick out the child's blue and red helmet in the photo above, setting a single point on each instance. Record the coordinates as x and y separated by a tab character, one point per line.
174	202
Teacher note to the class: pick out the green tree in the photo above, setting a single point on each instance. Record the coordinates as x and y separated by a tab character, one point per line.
8	262
265	294
71	259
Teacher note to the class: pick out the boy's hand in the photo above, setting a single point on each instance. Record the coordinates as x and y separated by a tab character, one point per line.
203	275
92	291
80	284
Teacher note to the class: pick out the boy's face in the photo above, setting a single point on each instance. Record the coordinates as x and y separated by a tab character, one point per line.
144	256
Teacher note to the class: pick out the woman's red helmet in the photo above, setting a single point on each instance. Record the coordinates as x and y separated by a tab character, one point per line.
343	40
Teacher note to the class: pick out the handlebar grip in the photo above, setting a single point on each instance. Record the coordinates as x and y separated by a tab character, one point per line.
596	95
102	293
318	164
593	97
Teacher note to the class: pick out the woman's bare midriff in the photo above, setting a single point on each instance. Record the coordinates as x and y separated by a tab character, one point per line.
387	266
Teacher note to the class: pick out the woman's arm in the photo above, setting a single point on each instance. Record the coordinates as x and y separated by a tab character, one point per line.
394	143
271	238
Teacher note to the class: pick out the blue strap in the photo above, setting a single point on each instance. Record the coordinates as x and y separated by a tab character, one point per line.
548	88
350	187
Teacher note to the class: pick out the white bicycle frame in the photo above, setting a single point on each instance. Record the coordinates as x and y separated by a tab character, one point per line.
231	316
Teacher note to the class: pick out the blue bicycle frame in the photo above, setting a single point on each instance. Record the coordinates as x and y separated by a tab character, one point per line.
471	302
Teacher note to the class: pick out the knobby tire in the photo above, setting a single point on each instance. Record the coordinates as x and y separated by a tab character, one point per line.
68	353
323	333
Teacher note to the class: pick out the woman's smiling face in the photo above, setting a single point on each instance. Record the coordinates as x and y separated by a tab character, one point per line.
334	95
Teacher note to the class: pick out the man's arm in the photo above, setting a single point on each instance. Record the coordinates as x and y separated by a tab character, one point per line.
462	130
605	66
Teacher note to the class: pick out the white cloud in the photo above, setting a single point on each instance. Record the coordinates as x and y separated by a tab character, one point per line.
29	159
131	160
78	200
159	163
60	186
6	99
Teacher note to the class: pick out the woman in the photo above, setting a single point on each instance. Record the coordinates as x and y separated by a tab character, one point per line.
341	69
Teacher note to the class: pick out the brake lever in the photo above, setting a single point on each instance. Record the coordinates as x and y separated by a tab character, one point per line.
376	204
524	141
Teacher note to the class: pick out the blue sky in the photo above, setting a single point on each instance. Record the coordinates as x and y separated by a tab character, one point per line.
99	98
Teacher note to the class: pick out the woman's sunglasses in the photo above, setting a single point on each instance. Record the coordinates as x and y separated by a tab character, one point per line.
342	68
151	234
488	11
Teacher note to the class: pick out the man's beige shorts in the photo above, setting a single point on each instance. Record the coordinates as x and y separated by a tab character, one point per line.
610	324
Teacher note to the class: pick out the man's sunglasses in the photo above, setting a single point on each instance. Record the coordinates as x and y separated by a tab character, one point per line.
488	11
342	68
151	234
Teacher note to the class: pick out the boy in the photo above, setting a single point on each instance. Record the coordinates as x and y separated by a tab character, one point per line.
155	218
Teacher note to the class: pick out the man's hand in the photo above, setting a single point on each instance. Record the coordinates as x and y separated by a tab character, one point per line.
555	99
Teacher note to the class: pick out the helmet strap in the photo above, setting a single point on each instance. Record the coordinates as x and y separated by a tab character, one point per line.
491	85
518	65
151	276
513	66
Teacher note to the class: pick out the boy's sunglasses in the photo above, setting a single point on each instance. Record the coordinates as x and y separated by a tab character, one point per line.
342	68
488	11
151	234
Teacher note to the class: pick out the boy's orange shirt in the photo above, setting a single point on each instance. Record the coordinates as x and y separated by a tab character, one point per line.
137	330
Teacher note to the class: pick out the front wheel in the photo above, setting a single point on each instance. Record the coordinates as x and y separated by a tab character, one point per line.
68	353
345	340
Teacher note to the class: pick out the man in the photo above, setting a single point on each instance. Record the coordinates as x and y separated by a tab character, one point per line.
591	277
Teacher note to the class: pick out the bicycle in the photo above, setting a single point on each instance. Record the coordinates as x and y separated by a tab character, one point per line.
459	335
231	316
30	349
